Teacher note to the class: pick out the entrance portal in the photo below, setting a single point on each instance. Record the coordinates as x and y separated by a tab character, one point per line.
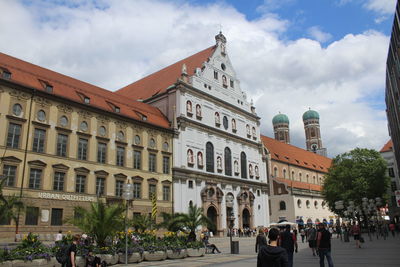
212	215
246	218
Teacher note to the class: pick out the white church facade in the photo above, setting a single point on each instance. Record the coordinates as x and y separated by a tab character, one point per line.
217	151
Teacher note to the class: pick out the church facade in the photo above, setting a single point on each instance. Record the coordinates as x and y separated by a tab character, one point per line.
218	163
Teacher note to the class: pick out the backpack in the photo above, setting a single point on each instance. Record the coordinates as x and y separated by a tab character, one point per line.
62	254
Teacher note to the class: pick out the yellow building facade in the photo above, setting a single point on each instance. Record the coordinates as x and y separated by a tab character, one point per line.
66	143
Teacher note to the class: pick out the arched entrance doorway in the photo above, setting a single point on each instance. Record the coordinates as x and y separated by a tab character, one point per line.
212	215
246	218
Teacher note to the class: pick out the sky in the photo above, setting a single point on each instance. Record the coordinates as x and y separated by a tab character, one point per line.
290	55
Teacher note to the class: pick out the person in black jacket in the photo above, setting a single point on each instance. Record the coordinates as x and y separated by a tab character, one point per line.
260	239
271	255
288	241
324	245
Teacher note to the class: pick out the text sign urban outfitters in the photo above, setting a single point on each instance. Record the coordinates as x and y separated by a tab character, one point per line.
66	197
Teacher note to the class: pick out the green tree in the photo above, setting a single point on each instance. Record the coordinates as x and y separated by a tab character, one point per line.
354	175
192	220
9	206
170	222
101	221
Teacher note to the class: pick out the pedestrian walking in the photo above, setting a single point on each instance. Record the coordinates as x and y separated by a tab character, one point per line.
302	234
392	228
261	240
312	238
324	245
288	241
72	252
271	255
356	231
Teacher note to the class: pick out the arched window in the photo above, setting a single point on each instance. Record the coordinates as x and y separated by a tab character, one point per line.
299	203
314	181
316	204
292	175
228	161
307	178
284	173
243	165
275	172
300	176
282	205
308	204
209	157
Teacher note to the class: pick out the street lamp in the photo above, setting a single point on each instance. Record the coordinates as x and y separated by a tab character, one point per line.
231	219
127	195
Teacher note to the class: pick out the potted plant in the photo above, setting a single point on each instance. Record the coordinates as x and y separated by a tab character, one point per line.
195	249
175	245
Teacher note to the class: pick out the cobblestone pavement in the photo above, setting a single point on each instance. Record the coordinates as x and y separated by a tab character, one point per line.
378	253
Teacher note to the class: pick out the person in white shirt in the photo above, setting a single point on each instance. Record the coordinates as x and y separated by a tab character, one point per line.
59	236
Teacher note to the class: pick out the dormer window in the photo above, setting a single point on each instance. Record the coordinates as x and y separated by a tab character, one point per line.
6	74
86	100
141	116
215	75
48	88
117	109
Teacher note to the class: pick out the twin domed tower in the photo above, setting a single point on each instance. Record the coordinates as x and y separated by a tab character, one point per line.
311	127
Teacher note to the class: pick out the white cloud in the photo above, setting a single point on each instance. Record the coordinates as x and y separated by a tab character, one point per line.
317	34
123	40
383	7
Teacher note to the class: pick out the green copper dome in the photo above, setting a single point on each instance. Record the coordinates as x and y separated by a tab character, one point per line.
310	114
280	118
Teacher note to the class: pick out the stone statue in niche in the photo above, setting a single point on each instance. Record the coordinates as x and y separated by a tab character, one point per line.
189	107
248	129
236	166
219	163
200	159
198	111
233	124
257	171
190	156
254	131
224	81
251	170
217	118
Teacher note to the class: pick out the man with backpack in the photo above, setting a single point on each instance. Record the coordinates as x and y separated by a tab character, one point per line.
271	255
289	243
324	245
66	255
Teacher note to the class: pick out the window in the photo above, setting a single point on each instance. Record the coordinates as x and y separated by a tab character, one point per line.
166	192
17	110
38	140
84	126
243	165
31	215
9	171
101	152
152	190
6	74
120	136
166	165
284	173
117	109
86	100
100	184
56	216
35	177
209	157
228	161
102	131
137	140
215	75
137	188
120	156
63	121
232	83
14	132
49	88
299	203
62	141
316	204
275	172
225	122
80	184
119	184
137	158
190	184
308	204
58	184
282	205
152	162
165	146
248	130
82	148
152	143
391	172
41	115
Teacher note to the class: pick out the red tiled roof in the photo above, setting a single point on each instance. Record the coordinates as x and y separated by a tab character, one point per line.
300	185
295	155
159	81
387	147
33	76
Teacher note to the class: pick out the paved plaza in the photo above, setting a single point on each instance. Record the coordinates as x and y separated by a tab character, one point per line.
375	254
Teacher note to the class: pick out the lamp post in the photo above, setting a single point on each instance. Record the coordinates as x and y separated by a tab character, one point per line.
127	195
231	224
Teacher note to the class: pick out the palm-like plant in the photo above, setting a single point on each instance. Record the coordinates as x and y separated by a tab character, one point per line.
170	222
100	221
192	220
142	223
9	206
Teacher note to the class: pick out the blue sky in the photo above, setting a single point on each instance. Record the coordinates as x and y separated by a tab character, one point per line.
289	55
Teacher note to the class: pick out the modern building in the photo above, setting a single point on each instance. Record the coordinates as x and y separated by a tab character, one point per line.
218	162
393	172
392	93
67	143
296	179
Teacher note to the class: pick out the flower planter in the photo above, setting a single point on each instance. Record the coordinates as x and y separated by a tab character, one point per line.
20	263
108	258
6	264
135	257
80	261
156	256
194	252
44	262
173	254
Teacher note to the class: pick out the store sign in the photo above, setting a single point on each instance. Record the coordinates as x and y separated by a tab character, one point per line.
397	193
65	197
